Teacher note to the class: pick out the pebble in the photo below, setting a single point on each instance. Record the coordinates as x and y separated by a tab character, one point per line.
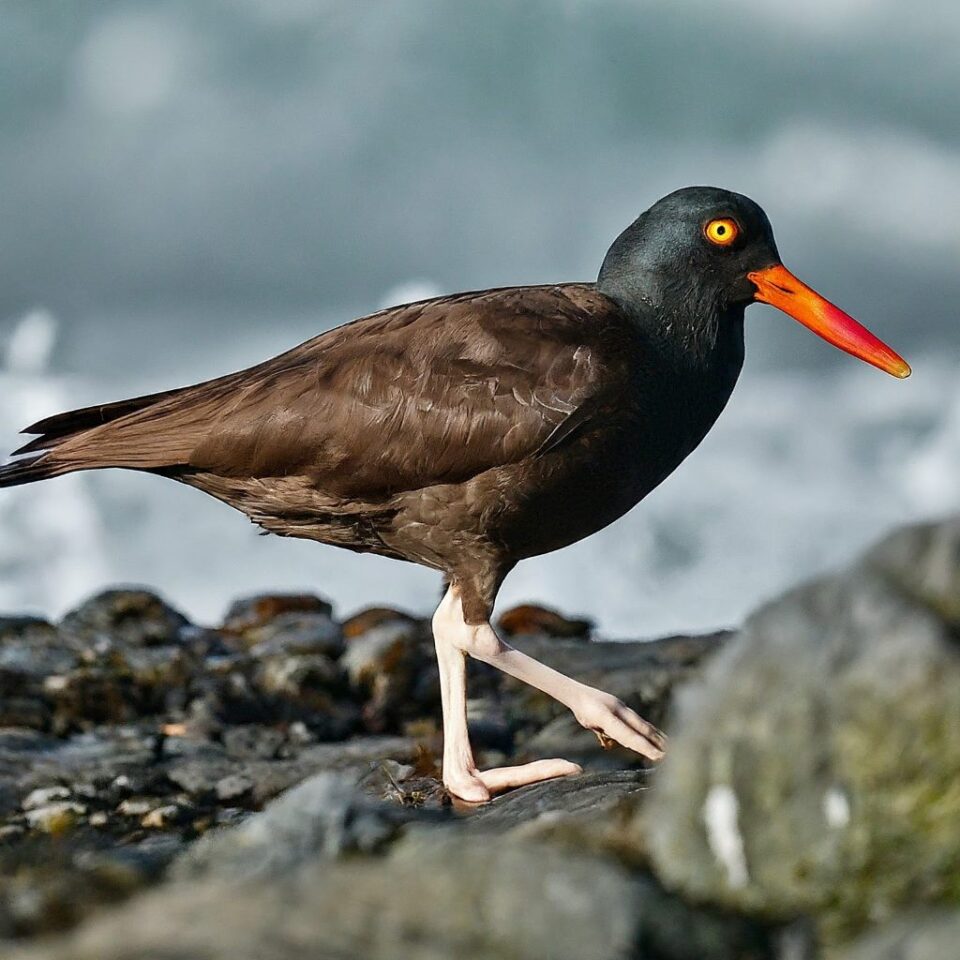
43	796
133	807
233	786
161	817
55	818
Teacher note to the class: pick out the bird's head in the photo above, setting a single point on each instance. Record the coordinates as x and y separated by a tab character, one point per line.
706	252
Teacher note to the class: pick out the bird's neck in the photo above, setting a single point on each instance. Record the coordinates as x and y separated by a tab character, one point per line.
684	320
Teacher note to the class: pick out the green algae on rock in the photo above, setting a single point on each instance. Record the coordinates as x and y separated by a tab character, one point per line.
815	769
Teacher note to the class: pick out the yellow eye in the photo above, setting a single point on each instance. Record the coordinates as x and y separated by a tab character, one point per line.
722	232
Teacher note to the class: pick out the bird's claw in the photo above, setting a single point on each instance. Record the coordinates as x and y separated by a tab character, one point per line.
606	743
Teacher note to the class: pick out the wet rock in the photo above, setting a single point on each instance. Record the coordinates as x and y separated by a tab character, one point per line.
249	613
814	770
298	676
489	725
529	619
129	617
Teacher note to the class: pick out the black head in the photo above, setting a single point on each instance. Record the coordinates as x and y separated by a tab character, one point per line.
694	247
691	263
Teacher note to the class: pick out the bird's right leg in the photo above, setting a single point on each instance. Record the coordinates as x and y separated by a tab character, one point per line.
459	770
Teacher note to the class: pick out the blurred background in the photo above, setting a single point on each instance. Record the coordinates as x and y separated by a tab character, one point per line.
189	187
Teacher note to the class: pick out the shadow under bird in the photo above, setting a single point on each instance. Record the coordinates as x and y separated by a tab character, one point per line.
472	431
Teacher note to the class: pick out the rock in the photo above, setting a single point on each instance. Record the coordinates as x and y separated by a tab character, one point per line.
923	563
41	796
363	620
135	807
209	777
589	797
129	617
30	650
295	676
251	612
55	818
421	901
296	633
393	667
924	935
199	776
310	688
30	711
161	818
323	817
253	742
32	647
91	695
529	619
233	787
54	882
814	769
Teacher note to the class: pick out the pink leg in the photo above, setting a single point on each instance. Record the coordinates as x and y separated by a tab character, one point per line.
460	774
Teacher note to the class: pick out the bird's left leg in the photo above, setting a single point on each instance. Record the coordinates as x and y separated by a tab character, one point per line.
608	717
460	774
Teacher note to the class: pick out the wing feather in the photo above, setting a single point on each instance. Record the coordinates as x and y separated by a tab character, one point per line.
417	395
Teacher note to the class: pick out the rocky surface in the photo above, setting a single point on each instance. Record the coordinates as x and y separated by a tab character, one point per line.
267	788
128	734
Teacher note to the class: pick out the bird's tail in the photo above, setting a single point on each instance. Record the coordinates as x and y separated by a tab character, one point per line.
28	470
56	431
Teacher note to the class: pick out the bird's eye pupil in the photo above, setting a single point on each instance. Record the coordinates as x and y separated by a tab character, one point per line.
721	230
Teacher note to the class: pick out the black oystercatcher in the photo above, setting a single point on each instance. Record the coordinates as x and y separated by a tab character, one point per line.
472	431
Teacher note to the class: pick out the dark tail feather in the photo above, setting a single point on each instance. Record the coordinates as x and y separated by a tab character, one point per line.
61	426
26	471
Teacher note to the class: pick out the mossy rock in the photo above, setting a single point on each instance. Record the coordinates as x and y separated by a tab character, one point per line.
816	768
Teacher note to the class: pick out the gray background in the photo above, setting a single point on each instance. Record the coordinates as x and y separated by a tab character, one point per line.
186	187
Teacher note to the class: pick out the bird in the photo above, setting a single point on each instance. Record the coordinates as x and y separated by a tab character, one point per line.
472	431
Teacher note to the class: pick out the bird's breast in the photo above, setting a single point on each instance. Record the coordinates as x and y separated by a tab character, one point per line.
551	501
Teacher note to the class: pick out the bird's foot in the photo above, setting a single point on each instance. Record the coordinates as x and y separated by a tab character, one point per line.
478	786
614	722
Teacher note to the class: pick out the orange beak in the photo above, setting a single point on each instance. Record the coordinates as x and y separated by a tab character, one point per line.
777	286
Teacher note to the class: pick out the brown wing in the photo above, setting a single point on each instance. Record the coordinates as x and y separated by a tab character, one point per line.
427	393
